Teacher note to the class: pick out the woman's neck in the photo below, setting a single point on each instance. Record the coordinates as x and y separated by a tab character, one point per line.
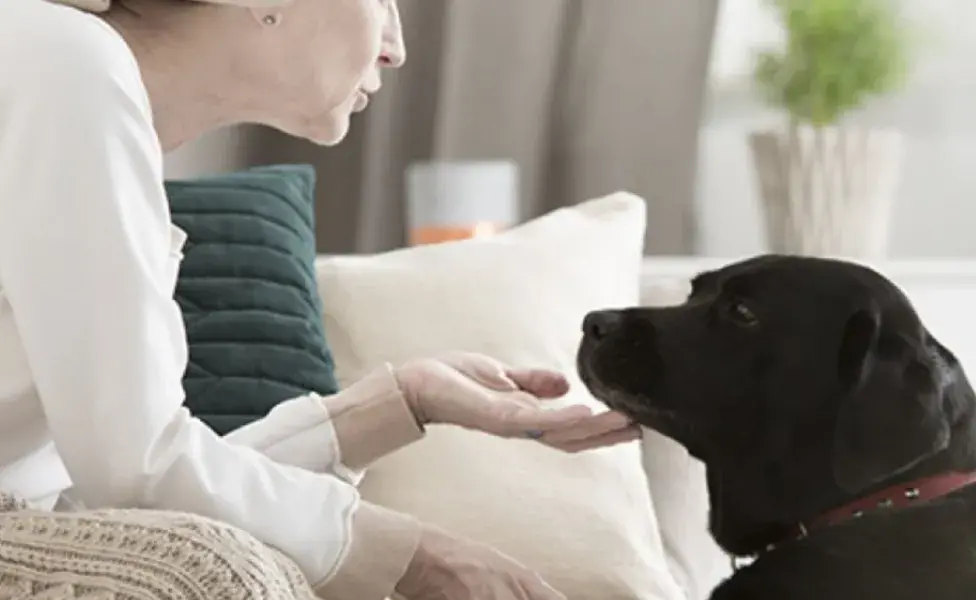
182	72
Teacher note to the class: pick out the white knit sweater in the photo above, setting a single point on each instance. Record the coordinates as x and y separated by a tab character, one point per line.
136	554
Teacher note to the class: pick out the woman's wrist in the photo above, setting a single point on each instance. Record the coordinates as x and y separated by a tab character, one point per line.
383	545
371	418
411	584
409	378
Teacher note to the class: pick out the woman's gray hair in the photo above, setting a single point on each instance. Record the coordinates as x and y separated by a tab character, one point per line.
104	5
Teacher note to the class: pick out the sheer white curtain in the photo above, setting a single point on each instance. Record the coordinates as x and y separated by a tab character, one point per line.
936	207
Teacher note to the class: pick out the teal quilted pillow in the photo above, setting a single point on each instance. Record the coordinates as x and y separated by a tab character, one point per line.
248	293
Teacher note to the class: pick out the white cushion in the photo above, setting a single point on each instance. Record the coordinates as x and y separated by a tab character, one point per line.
585	521
677	480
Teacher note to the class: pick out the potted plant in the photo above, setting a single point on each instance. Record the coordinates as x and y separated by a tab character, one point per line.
827	188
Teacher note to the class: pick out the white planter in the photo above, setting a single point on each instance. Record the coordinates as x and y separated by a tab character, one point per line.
828	191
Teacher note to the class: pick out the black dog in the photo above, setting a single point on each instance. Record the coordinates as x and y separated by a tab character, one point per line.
839	436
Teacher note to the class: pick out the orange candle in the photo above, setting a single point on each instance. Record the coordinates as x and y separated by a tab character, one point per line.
450	201
435	234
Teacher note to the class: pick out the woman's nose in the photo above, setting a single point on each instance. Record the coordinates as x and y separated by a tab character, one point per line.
394	52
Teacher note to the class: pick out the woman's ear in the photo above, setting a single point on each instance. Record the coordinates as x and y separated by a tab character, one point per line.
267	17
891	414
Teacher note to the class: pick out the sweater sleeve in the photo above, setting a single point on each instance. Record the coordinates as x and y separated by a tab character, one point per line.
342	434
87	267
339	434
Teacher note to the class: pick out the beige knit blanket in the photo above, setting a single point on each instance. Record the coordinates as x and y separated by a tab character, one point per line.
136	555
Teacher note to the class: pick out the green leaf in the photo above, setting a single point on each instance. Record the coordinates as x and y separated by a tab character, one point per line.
838	55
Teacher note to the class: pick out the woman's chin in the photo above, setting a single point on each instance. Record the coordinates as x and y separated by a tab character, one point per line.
329	133
327	130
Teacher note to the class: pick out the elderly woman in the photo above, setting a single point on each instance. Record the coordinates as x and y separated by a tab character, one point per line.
113	475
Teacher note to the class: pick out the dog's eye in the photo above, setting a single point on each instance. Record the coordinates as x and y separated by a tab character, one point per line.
741	314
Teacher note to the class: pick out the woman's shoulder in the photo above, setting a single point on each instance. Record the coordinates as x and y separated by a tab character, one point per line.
47	48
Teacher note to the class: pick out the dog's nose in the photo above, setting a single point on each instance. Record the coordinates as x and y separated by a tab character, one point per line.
601	323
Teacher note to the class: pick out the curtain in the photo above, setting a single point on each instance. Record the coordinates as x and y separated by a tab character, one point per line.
586	96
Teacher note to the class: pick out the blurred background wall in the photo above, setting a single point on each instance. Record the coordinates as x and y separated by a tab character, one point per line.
589	96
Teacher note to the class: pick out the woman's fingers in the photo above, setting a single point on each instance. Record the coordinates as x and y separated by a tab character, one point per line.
506	403
620	436
592	427
541	383
482	370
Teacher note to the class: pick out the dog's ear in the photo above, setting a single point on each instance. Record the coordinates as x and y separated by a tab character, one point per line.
891	416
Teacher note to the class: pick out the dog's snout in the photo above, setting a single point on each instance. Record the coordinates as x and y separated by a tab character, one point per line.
601	323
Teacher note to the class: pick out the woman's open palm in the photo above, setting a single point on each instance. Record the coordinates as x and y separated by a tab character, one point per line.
478	392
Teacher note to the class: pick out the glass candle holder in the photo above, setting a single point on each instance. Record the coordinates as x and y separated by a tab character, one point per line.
449	201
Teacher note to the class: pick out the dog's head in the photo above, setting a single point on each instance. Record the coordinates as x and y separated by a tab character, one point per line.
800	382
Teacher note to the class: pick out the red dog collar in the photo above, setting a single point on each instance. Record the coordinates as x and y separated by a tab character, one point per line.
907	494
899	496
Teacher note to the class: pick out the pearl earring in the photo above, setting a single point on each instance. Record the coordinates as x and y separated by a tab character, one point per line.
270	20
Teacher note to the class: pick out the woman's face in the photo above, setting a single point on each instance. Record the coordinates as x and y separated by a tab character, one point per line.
328	57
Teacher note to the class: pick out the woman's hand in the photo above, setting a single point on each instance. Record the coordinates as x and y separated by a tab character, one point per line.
480	393
449	568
